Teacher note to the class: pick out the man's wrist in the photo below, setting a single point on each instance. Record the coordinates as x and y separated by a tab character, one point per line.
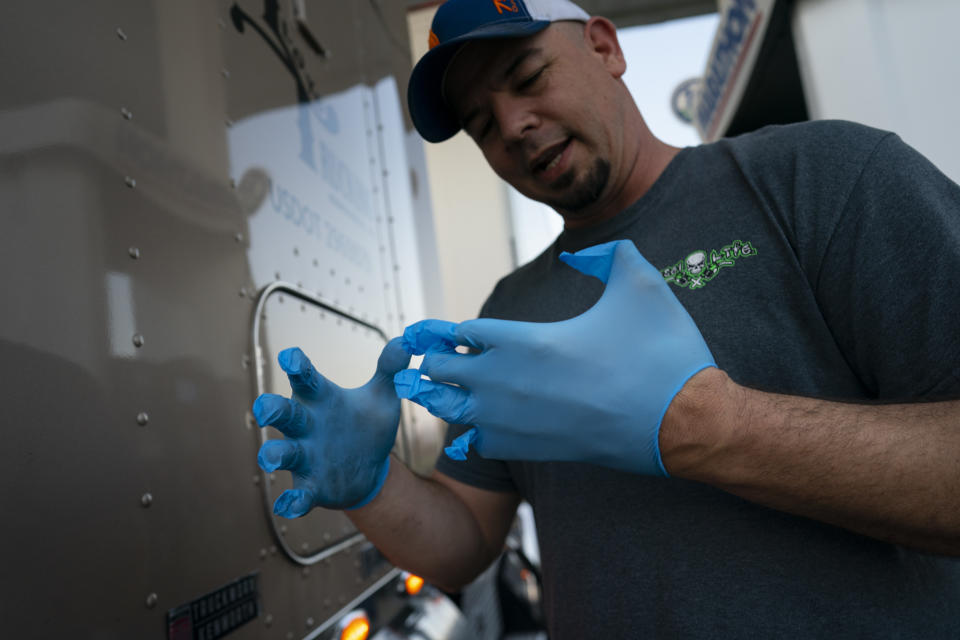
382	471
694	430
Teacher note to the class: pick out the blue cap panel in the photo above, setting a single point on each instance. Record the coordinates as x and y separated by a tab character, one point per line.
456	18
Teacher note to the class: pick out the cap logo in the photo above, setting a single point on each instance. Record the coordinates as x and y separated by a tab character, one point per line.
506	5
434	40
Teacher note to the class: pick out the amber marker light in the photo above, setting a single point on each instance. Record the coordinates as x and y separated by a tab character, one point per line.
413	584
358	628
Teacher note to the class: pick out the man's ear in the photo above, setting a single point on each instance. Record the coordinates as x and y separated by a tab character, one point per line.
600	36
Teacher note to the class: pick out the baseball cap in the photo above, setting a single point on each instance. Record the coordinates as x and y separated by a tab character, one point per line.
457	22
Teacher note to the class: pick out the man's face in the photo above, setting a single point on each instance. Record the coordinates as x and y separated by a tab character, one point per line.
544	112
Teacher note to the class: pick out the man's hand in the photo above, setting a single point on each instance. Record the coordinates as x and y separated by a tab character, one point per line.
592	389
338	441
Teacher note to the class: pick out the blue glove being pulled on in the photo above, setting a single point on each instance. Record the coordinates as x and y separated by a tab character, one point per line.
337	441
590	389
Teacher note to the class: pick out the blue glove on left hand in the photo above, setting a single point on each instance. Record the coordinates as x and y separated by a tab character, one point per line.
591	389
338	441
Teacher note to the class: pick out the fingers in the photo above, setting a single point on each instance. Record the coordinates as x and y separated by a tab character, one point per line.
284	414
445	401
447	366
304	379
280	454
426	334
293	503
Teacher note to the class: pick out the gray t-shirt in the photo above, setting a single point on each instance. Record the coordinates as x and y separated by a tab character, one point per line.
818	260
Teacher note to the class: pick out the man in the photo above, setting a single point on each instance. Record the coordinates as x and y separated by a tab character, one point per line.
673	497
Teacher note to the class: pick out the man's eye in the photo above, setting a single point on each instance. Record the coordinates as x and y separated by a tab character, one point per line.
529	81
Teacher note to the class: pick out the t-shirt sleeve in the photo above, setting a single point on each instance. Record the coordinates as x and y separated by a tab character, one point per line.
886	282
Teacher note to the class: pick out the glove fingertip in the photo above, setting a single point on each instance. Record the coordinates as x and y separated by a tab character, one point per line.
265	462
593	261
292	503
461	444
455	453
293	361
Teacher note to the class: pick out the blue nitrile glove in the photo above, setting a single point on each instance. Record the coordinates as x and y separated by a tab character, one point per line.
338	440
590	389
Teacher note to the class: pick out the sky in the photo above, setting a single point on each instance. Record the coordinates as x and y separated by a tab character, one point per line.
659	57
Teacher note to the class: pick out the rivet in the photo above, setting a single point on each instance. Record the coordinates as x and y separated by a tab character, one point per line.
326	535
289	635
225	73
382	249
276	275
347	281
306	571
303	307
268	620
126	113
326	561
143	418
223	25
233	183
309	622
341	599
327	603
299	285
283	529
333	272
256	480
296	251
280	299
305	546
273	550
242	292
315	263
134	253
228	122
263	553
130	182
245	361
238	237
248	419
121	34
152	600
138	340
146	499
273	478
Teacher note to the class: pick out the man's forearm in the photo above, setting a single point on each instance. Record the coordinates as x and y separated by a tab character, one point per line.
423	527
889	471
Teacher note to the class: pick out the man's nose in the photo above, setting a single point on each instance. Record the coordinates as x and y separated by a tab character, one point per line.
516	117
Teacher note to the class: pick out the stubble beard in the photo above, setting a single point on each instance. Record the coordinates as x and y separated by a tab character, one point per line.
582	193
